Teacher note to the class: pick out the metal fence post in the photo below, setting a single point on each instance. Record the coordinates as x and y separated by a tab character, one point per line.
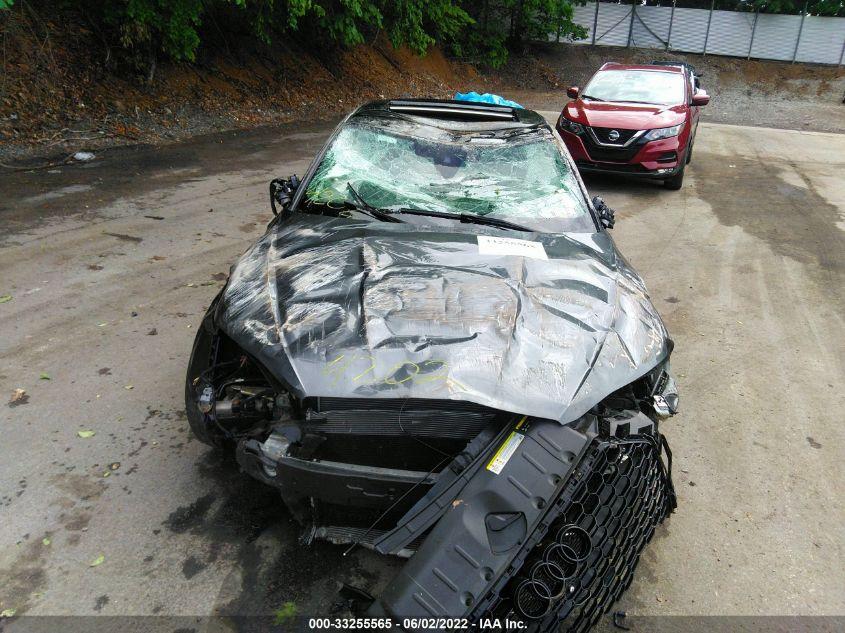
842	54
671	20
595	22
753	30
709	20
631	25
800	30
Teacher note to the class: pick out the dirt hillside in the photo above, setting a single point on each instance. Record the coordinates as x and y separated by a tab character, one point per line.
59	93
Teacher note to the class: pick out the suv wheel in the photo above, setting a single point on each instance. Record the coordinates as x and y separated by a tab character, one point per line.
675	182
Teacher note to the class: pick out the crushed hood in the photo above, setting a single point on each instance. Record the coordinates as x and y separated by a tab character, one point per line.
348	308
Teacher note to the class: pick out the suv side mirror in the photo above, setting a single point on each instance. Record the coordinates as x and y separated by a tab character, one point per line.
572	92
700	98
607	216
281	191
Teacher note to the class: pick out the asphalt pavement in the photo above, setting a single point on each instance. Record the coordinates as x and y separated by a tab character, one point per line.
109	507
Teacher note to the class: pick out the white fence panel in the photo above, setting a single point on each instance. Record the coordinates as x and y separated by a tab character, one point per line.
689	28
822	39
775	36
614	24
730	33
651	27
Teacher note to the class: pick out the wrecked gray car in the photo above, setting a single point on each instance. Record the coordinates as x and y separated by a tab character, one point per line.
436	351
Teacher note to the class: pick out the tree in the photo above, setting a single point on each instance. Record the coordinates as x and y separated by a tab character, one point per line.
503	25
813	7
145	31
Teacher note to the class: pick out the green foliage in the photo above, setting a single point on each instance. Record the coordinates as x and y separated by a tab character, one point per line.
145	30
284	613
418	23
6	4
142	31
788	7
827	8
813	7
503	25
166	24
346	21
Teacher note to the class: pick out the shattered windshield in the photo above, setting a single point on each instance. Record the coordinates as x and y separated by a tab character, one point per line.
636	86
516	173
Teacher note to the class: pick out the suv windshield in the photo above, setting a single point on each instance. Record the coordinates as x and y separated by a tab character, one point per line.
637	86
517	174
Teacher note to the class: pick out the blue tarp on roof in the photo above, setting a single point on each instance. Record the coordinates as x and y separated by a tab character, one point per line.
486	98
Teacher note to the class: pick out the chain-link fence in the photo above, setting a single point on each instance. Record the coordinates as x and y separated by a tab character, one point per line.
797	38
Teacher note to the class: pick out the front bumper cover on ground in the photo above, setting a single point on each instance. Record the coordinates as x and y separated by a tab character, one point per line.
554	535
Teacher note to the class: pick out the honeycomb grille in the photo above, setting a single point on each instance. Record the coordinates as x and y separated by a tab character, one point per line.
586	556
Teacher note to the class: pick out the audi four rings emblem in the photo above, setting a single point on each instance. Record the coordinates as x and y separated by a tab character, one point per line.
614	135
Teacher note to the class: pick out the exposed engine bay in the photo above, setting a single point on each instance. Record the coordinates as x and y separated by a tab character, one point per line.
485	406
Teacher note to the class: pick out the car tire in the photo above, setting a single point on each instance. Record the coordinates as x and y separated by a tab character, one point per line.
675	182
689	154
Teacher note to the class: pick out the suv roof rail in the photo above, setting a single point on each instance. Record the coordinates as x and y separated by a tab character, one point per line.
679	64
453	109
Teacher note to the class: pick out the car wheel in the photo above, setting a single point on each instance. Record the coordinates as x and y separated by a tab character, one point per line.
689	154
675	182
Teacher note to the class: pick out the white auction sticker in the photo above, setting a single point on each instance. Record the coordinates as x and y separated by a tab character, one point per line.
509	246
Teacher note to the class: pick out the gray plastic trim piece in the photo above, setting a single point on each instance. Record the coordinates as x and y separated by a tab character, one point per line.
455	566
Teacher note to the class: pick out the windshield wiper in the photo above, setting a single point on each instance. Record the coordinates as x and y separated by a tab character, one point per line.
468	218
592	98
378	214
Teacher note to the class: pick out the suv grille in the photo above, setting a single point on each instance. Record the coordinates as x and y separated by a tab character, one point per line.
615	154
583	557
603	134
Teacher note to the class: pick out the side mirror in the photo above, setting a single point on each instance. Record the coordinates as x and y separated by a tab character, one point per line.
572	92
607	216
281	191
700	98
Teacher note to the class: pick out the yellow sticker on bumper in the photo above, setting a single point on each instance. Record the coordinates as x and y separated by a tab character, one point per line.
507	449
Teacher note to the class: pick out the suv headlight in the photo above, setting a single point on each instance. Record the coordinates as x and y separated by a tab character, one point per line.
570	126
664	132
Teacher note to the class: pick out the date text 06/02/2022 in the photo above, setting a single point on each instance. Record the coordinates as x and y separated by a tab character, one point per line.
432	624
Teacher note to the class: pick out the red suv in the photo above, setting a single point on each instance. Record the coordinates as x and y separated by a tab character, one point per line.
636	120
